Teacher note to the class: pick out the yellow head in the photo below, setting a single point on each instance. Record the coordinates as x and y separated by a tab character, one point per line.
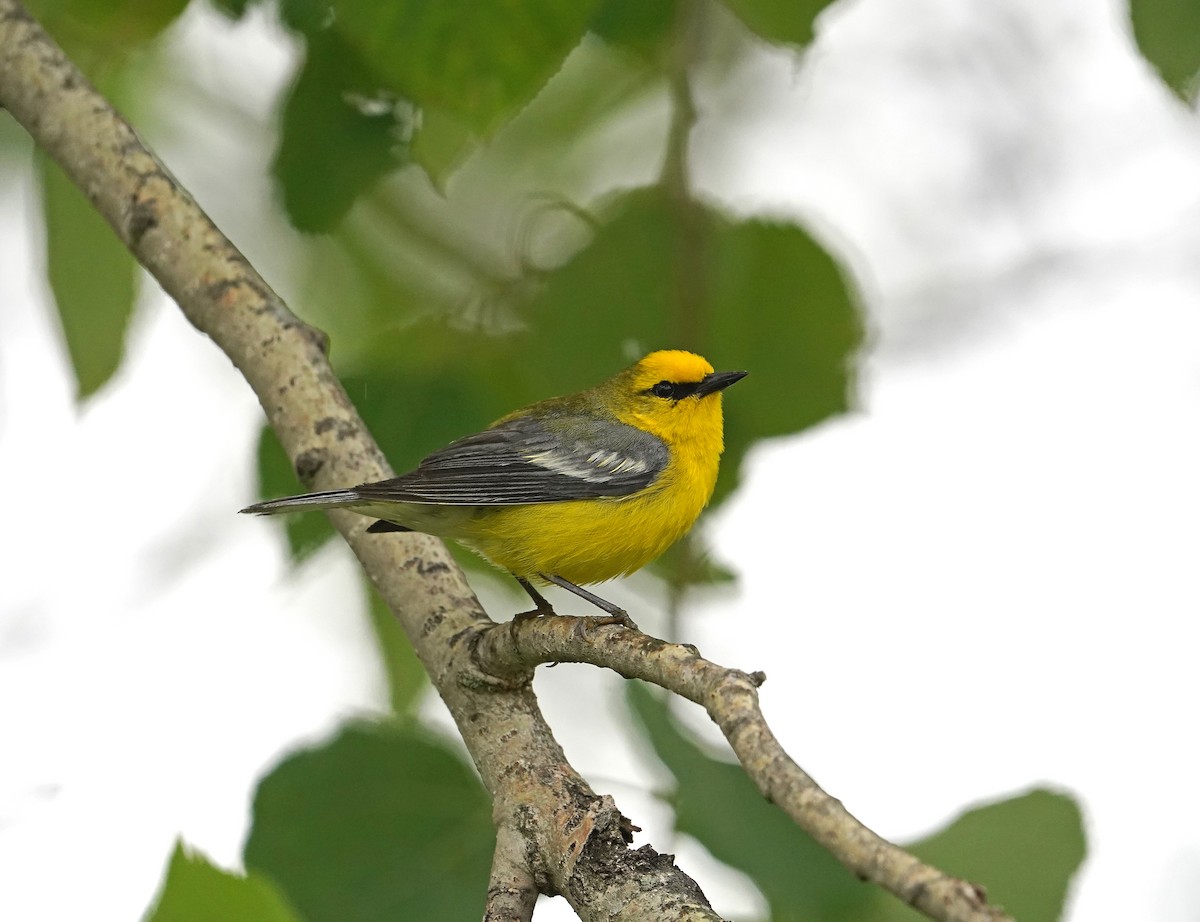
674	395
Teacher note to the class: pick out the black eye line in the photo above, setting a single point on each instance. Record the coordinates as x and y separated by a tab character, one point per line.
679	390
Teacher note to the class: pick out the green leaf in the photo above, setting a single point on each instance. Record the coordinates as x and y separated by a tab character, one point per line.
92	276
1024	850
407	678
340	134
786	21
196	891
1166	32
381	823
479	60
717	804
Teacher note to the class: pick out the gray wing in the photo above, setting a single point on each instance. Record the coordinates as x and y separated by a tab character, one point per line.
525	461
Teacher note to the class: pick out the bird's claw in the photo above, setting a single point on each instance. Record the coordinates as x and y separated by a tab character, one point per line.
620	616
585	624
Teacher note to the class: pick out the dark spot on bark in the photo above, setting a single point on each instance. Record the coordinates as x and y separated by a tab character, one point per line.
217	290
436	567
142	218
460	635
309	463
735	727
344	428
432	623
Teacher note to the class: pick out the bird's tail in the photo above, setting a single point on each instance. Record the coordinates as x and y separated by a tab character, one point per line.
330	499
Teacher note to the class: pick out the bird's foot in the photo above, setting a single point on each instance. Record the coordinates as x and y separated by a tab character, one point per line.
620	616
583	624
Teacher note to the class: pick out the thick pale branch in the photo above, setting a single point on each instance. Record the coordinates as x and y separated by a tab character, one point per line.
731	699
572	834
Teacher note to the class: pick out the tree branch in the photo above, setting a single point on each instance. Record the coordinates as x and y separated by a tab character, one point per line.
731	699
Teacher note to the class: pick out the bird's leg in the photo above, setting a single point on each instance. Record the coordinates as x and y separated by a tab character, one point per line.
616	615
543	606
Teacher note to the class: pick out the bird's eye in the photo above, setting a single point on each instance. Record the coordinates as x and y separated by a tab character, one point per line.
663	389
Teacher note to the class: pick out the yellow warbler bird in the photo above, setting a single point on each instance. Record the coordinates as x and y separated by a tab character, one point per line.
571	490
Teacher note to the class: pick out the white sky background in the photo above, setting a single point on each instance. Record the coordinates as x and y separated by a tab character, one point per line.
983	580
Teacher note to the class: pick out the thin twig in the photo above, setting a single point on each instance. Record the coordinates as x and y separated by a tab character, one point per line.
731	699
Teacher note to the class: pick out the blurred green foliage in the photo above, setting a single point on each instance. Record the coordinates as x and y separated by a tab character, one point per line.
383	822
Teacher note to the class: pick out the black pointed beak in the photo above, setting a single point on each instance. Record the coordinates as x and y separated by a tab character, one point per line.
718	381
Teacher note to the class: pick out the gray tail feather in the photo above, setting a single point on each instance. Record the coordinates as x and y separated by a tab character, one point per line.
330	499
